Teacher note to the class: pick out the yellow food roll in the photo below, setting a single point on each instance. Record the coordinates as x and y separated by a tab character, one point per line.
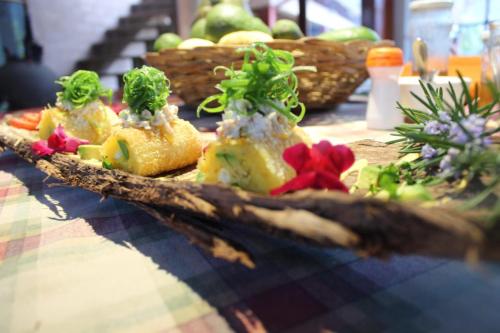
256	166
151	152
92	124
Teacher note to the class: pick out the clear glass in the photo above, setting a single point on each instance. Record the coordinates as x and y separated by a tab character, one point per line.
491	63
433	24
494	52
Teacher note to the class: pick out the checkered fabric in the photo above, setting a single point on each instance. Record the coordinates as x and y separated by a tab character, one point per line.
70	262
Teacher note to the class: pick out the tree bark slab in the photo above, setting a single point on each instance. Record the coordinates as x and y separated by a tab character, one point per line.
206	213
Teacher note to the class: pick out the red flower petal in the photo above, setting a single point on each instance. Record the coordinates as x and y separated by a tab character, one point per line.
302	181
296	156
342	157
318	167
41	148
325	180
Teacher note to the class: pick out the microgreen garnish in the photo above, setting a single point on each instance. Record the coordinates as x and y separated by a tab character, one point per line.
146	88
81	88
266	79
123	148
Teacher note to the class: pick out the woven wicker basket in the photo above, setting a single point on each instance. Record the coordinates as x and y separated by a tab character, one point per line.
341	68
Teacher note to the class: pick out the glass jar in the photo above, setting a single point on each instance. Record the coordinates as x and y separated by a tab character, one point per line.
431	20
490	62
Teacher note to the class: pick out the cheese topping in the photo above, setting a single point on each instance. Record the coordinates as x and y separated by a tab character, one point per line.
264	124
146	120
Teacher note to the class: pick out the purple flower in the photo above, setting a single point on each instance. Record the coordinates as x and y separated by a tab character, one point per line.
428	151
434	127
444	117
471	130
446	164
457	134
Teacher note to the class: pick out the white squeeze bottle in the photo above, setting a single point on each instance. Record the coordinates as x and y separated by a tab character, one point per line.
384	65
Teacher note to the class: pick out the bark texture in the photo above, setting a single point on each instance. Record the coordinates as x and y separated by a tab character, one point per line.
206	213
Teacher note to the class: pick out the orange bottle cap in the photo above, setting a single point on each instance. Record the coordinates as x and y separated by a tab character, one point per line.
384	57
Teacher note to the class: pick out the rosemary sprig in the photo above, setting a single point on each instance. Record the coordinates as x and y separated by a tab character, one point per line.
454	141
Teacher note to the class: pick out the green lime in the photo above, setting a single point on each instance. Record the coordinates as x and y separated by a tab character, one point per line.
198	28
225	18
167	41
256	24
286	29
349	34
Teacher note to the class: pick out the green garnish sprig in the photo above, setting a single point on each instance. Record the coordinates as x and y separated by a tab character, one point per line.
80	89
266	79
453	141
146	88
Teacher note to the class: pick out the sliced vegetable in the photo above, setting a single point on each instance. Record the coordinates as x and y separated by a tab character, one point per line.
22	123
32	116
89	152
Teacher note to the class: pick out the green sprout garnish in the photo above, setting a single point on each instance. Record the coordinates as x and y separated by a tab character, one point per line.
267	80
146	88
106	164
81	88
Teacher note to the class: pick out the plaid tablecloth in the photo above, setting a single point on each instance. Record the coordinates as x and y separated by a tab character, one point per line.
70	262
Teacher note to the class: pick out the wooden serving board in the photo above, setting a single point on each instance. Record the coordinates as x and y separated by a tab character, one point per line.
216	217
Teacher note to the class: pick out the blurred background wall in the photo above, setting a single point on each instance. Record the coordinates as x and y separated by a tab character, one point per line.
67	28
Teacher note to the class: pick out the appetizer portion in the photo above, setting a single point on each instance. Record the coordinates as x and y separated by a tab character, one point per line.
79	109
257	122
151	139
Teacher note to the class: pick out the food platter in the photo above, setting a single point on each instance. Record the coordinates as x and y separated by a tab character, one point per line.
209	214
434	190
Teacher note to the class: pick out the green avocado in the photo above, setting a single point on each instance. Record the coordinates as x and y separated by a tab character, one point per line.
90	152
286	29
198	28
225	18
256	24
167	40
350	34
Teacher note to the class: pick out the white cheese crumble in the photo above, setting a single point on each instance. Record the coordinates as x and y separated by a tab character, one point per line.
261	125
161	118
81	117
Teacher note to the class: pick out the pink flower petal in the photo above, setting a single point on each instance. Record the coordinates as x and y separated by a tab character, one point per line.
41	148
72	144
57	140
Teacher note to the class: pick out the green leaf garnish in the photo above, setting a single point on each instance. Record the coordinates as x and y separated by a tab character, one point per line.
81	88
266	78
146	88
106	164
123	148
